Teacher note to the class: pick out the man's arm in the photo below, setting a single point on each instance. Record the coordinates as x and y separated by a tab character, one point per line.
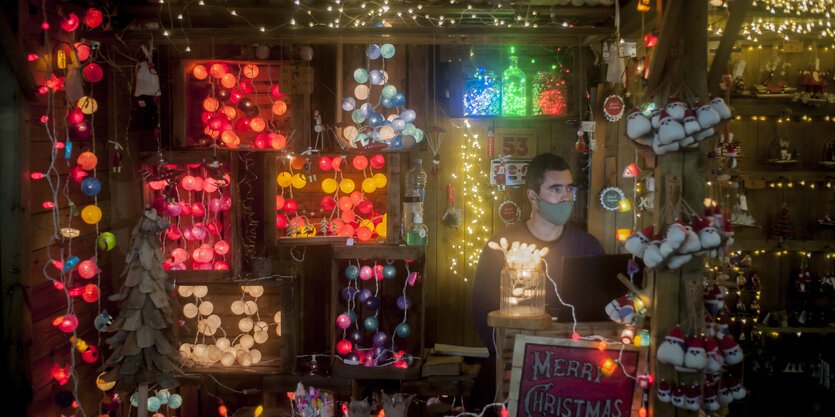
485	294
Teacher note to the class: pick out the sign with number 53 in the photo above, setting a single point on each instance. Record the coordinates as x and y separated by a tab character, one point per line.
515	143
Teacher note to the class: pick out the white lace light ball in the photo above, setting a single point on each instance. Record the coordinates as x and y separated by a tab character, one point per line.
244	358
213	353
250	307
227	359
199	351
185	350
237	307
204	327
200	291
261	337
190	310
277	317
256	291
185	290
245	324
223	344
255	355
206	308
213	321
261	326
247	341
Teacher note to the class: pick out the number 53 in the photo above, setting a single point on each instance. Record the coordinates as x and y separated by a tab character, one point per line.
520	148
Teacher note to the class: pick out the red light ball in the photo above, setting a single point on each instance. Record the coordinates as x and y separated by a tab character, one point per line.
93	72
378	161
325	163
173	232
92	18
70	22
261	141
365	207
274	91
247	87
344	346
221	266
91	355
197	209
82	51
281	221
328	203
75	116
291	206
235	95
242	124
360	162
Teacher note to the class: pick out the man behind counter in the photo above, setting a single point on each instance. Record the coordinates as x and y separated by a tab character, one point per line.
550	189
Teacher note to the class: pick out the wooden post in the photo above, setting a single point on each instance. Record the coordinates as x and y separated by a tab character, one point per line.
737	11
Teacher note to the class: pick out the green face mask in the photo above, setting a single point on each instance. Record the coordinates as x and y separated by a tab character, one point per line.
556	214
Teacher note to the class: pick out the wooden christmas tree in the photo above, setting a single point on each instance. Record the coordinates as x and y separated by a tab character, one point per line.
144	346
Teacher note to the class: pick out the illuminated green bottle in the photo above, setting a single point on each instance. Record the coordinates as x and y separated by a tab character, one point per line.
514	90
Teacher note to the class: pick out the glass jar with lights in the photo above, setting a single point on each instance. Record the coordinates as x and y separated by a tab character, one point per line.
482	94
514	89
522	281
549	94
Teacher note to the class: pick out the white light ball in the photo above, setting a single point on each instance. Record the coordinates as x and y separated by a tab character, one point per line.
206	308
237	307
185	348
213	353
245	324
361	92
199	351
255	354
213	321
227	359
190	310
256	291
185	290
261	326
391	117
261	337
204	327
200	291
386	133
277	317
250	307
247	341
244	358
223	344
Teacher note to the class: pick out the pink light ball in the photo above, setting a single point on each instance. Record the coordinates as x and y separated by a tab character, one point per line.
202	266
291	206
343	321
174	209
221	266
325	163
215	227
366	272
199	232
344	347
221	247
186	208
187	234
198	184
328	203
214	205
178	255
187	183
378	161
226	203
281	221
88	269
210	185
203	255
197	210
178	267
173	232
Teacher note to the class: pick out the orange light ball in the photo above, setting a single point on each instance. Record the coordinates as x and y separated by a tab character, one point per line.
336	162
217	70
298	163
228	80
251	70
277	141
279	108
356	197
345	203
347	216
279	202
87	160
200	72
257	124
360	162
230	139
364	234
210	104
229	111
346	230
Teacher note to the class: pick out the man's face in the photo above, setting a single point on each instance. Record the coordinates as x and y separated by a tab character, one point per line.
557	186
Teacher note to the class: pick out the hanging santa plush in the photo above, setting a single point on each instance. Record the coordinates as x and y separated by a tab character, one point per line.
730	350
677	260
710	400
706	116
721	108
694	356
669	129
709	237
652	254
675	236
715	360
637	124
637	243
737	389
690	123
691	244
621	310
721	326
704	134
678	396
713	299
710	326
692	398
663	392
672	348
655	118
660	149
676	108
726	396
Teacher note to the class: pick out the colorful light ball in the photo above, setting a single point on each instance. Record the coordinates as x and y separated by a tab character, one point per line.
199	232
408	115
386	133
404	302
235	96
372	303
70	22
91	214
389	272
361	92
348	103
378	272
247	87
325	163
348	216
329	185
389	91
360	162
360	75
175	401
200	72
352	272
371	323
90	186
372	51
379	339
387	50
357	116
375	119
403	330
284	179
336	163
279	202
91	293
261	141
81	130
299	181
399	99
297	223
87	269
376	77
242	124
106	241
355	336
377	161
92	18
279	108
82	51
350	133
346	186
344	347
366	273
291	206
277	141
248	107
368	185
214	227
221	247
346	230
257	124
281	221
210	104
274	91
228	80
173	232
348	293
251	71
380	180
75	116
365	207
328	203
229	112
221	265
356	197
174	208
87	104
93	72
364	234
217	71
343	321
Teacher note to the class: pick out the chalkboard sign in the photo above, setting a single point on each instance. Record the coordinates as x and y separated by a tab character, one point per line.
562	377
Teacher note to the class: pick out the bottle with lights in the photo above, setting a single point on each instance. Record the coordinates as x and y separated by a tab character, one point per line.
514	89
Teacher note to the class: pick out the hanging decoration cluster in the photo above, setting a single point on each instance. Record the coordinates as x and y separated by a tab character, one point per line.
345	208
387	122
195	200
241	106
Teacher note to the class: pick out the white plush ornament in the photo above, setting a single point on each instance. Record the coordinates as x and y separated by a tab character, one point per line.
652	254
678	396
691	244
676	261
693	399
708	235
721	107
715	360
737	389
731	350
710	400
706	116
714	300
676	234
671	349
637	124
661	149
704	134
726	396
687	142
663	392
676	108
690	123
669	130
695	357
655	118
637	243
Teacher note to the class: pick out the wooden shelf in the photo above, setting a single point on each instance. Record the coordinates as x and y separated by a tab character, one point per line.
814	330
379	251
232	370
774	105
789	245
312	241
341	370
282	383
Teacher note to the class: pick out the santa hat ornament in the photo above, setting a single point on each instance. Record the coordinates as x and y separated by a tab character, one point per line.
691	124
693	398
669	130
695	357
706	116
663	392
715	360
652	254
710	400
720	107
672	348
637	243
713	299
637	124
710	326
678	396
730	350
737	389
655	118
676	108
726	396
708	235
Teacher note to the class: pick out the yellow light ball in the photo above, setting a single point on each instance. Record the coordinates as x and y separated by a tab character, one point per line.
104	385
284	179
329	185
91	214
347	186
87	104
298	181
368	185
367	223
380	180
381	229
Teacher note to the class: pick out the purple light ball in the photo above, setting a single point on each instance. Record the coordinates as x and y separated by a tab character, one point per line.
372	303
404	302
365	293
379	339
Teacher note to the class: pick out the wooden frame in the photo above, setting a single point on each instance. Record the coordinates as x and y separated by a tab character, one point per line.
519	355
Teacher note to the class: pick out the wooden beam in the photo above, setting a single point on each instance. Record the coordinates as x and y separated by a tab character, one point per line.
17	58
738	11
670	34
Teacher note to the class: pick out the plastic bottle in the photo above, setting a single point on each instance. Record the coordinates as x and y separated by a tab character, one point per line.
417	234
416	178
413	196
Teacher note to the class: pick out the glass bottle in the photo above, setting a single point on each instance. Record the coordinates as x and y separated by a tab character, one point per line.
514	90
418	233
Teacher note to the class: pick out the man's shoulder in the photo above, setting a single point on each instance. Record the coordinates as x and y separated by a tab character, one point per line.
516	231
579	236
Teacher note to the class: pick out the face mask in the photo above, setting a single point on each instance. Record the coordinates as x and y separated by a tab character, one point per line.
556	214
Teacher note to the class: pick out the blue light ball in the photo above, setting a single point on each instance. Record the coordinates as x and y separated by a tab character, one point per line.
367	109
134	399
351	315
418	135
175	401
404	302
361	138
372	303
409	129
348	293
364	294
398	124
372	51
389	91
396	142
403	330
376	77
389	271
381	354
376	119
360	75
408	115
357	116
153	404
387	50
379	339
348	103
399	99
352	272
386	102
371	324
90	186
163	396
355	337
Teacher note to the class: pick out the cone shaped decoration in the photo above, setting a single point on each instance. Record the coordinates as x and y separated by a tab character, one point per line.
143	348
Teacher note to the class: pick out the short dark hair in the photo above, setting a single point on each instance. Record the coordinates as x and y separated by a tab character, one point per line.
539	165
